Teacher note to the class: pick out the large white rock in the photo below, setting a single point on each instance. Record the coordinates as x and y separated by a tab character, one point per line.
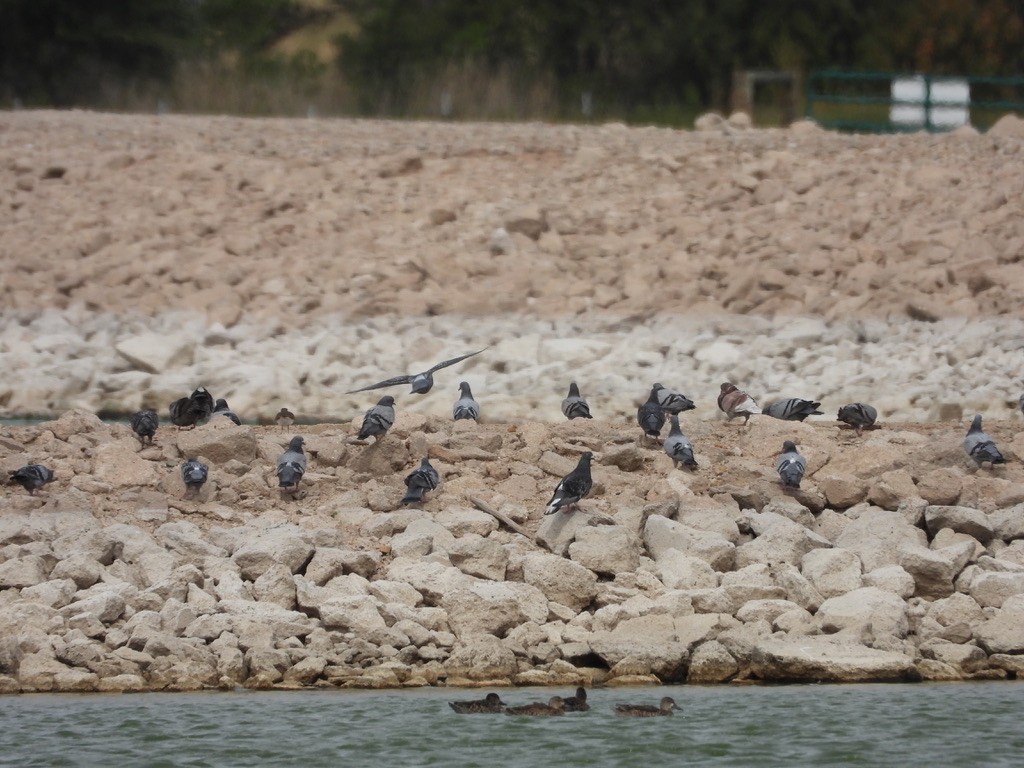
877	536
562	581
606	549
662	534
157	352
493	608
826	660
884	611
832	571
287	544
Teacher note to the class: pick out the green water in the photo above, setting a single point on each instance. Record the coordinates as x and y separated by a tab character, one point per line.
954	724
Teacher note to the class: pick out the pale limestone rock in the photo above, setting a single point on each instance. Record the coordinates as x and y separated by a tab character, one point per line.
20	572
1002	634
661	534
764	610
832	571
711	662
187	540
992	589
55	593
492	607
823	659
219	442
940	486
480	557
481	657
781	540
119	465
958	608
796	586
558	530
891	488
972	522
288	545
884	611
276	585
606	549
679	571
934	571
841	490
157	352
81	569
877	537
891	578
460	521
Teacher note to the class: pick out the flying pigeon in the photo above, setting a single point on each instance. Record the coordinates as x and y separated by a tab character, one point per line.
678	446
189	411
574	406
573	487
466	407
735	402
144	424
792	409
790	465
650	415
194	474
284	418
221	409
291	466
980	446
32	477
378	420
418	482
858	415
672	401
421	382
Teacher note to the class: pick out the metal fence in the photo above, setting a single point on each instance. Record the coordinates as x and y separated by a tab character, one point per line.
888	102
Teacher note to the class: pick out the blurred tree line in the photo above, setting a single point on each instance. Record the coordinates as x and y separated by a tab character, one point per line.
629	54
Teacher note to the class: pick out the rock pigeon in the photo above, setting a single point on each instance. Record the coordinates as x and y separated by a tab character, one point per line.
735	402
194	474
418	482
650	416
858	415
577	703
574	406
189	411
284	418
664	709
291	466
421	382
489	704
32	477
672	401
220	408
553	708
678	446
790	465
378	420
980	446
792	409
466	407
144	424
573	487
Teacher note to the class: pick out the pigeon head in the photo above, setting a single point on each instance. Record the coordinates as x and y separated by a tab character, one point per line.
976	424
221	404
574	391
585	458
658	386
789	447
425	461
386	400
728	387
296	443
464	388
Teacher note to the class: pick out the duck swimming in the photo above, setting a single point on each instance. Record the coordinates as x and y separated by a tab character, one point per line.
646	710
553	708
489	704
577	703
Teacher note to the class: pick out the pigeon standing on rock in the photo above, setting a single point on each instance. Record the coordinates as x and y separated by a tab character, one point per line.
378	420
574	406
792	409
858	415
421	480
194	474
650	416
189	411
144	424
466	407
735	402
284	418
980	446
421	382
678	446
291	466
790	465
573	487
32	477
673	402
220	408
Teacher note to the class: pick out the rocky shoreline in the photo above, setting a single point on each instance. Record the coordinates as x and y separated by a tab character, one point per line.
899	560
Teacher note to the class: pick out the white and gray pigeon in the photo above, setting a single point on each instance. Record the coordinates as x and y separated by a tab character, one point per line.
860	416
792	409
980	446
144	424
421	382
650	416
220	408
678	446
673	402
378	420
194	474
291	466
466	407
573	487
734	402
574	406
32	477
790	465
421	480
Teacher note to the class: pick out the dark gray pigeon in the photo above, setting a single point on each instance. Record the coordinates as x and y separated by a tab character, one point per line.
220	408
650	416
466	407
792	409
980	446
672	401
860	416
418	482
378	420
678	446
194	474
573	487
32	477
291	466
144	424
421	382
189	411
790	465
574	406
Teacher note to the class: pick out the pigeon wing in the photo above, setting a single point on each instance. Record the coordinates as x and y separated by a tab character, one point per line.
392	382
446	363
